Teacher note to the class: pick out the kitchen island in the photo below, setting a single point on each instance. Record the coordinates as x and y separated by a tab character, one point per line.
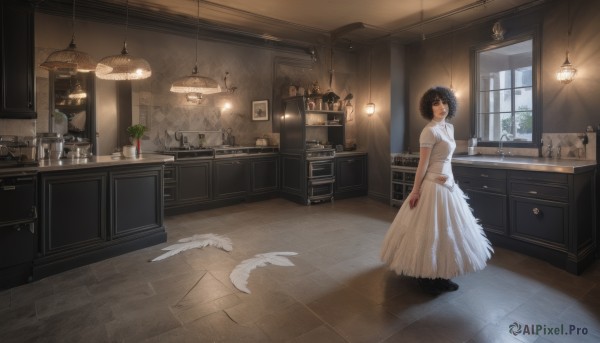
541	207
95	208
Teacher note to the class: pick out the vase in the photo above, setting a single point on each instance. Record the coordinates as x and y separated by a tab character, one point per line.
138	147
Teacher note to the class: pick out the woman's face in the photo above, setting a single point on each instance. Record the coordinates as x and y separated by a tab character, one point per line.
440	109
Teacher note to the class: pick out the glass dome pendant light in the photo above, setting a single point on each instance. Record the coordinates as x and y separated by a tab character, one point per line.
70	58
194	85
123	66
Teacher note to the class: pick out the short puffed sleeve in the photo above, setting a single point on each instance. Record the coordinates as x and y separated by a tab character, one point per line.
427	139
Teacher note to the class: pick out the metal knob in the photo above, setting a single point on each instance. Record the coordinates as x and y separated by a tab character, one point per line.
536	211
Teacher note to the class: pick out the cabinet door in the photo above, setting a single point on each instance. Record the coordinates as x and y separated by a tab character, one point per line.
490	209
73	212
231	179
265	175
351	174
17	91
136	201
193	182
539	221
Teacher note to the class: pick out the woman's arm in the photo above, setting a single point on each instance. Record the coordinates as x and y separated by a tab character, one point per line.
413	197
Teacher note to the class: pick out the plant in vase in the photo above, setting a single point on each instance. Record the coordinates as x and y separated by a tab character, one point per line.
137	132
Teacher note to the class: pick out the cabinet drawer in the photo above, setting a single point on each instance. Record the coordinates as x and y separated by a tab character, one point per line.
169	174
538	176
542	222
485	173
533	190
482	185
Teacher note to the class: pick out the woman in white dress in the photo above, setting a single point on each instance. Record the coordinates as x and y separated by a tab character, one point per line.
435	236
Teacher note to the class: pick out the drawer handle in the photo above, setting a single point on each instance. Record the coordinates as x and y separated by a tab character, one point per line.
536	211
484	187
532	192
484	175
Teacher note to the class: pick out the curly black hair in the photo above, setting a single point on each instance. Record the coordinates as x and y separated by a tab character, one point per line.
437	93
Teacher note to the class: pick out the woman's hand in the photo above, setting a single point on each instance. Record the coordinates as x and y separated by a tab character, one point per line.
413	198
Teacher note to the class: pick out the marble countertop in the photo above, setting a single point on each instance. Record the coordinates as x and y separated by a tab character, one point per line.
566	166
101	161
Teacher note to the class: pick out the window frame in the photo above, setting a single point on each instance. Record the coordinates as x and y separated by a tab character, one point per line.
536	110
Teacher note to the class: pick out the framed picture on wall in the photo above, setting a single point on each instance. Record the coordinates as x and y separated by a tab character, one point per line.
260	110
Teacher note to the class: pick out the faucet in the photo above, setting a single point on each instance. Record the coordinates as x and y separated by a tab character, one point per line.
500	150
549	151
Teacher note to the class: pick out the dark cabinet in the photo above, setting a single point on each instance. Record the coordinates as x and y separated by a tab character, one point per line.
486	189
136	201
547	215
264	173
73	212
230	179
17	78
89	215
193	182
350	176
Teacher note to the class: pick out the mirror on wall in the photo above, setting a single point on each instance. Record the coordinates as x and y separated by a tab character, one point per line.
72	110
505	92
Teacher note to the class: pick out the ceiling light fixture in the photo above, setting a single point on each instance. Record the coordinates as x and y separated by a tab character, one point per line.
195	86
77	92
70	58
567	72
370	108
123	66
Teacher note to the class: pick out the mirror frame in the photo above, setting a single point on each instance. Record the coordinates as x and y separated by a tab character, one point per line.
535	35
90	107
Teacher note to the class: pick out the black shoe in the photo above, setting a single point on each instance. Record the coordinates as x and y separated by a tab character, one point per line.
446	285
430	286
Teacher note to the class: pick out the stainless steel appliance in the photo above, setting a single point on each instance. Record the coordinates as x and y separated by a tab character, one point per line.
320	166
17	152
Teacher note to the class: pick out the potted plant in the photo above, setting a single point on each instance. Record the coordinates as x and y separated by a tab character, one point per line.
137	132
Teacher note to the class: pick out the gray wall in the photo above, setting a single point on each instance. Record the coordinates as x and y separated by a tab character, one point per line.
251	71
565	108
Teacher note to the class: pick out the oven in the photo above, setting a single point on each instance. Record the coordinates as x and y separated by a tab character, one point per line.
321	169
320	172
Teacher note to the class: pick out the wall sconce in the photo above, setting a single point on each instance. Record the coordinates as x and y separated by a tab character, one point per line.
313	54
566	72
195	98
498	31
370	108
228	90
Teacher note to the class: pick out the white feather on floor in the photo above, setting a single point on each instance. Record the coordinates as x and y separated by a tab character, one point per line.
196	241
241	272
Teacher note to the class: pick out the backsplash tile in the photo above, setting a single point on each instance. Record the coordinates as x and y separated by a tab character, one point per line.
18	127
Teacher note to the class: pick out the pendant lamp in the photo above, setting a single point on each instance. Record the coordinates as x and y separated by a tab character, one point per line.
566	72
77	92
70	58
123	66
194	86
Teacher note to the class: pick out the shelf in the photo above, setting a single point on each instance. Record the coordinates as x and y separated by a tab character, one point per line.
324	111
337	125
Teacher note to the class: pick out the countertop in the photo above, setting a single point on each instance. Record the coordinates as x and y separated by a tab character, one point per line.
100	161
565	166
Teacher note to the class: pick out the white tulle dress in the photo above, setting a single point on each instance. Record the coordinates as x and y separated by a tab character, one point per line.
440	237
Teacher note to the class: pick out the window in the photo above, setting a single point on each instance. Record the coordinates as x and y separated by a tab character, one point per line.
505	94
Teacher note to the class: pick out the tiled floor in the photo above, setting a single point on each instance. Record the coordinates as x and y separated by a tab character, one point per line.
338	291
